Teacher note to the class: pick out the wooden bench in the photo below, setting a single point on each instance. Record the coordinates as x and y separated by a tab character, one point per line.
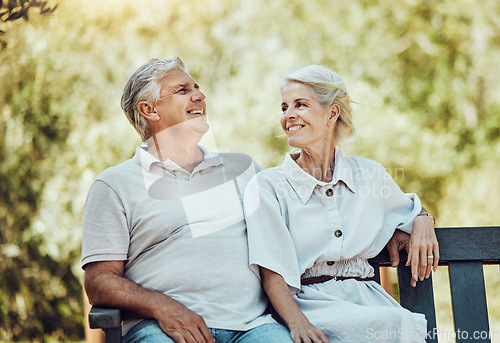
463	249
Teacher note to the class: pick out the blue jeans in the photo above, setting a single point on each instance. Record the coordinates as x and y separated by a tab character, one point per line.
149	331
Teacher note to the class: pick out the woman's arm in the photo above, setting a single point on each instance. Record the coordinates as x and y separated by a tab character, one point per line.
422	241
301	330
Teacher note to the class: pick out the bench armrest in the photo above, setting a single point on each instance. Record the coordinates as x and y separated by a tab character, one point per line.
108	319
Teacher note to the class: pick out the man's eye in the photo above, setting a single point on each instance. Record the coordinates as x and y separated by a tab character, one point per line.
284	108
182	90
300	104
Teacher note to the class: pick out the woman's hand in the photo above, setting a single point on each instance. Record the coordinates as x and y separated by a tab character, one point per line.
423	252
305	332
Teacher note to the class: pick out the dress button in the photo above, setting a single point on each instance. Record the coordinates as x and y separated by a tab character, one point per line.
329	192
330	263
337	233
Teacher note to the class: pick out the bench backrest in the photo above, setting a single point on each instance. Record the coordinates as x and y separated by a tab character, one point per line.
464	250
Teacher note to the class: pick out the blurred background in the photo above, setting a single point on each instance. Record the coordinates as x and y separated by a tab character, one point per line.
424	73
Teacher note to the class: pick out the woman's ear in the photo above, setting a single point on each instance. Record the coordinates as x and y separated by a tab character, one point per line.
148	111
334	114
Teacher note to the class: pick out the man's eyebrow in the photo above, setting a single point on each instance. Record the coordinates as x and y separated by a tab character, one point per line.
180	85
184	85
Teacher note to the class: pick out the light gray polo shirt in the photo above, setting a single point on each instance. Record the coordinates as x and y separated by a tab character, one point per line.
179	233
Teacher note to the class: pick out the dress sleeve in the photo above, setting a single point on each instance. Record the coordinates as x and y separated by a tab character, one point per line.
105	234
269	241
401	209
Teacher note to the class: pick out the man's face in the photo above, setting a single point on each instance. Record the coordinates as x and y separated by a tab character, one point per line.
181	105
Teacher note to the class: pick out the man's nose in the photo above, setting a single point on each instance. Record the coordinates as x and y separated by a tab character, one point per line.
198	96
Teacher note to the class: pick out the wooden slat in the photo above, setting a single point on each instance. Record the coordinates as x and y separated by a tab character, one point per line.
462	244
468	298
469	243
419	299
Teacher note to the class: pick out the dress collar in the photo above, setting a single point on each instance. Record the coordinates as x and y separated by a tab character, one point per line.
303	183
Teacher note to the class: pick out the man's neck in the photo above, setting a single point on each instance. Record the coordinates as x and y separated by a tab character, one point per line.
183	152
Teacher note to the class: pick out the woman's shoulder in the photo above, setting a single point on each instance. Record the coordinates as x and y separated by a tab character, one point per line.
271	174
358	162
268	178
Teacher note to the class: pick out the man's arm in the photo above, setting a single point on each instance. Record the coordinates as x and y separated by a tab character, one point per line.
106	286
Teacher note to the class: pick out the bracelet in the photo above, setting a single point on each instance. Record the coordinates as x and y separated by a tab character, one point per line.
427	214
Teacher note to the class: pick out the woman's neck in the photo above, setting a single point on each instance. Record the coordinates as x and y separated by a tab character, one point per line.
318	163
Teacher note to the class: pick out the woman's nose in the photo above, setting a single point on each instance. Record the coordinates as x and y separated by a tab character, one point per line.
288	113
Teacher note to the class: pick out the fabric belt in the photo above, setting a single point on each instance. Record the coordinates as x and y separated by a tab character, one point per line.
324	278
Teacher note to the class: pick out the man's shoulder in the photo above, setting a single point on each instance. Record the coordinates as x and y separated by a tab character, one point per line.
235	157
118	172
238	162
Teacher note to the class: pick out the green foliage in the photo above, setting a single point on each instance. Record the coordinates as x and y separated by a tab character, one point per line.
424	73
12	10
35	287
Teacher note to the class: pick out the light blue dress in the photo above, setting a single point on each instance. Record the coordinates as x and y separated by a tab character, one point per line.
299	226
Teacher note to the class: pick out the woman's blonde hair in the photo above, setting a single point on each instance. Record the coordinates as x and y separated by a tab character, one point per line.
329	89
143	86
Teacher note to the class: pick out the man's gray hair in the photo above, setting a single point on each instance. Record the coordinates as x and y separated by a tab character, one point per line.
143	85
329	89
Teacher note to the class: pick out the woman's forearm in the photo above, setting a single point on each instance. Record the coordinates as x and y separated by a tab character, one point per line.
279	294
301	330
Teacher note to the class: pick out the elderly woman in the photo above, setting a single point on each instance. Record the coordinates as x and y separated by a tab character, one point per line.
314	222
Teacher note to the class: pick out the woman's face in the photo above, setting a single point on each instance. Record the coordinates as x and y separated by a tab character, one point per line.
305	121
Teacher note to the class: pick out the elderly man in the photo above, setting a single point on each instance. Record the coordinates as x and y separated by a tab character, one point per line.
163	233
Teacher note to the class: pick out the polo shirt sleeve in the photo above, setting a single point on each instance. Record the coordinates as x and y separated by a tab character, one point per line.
270	244
400	209
105	234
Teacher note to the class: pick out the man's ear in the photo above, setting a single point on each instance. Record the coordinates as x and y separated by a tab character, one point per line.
334	114
148	111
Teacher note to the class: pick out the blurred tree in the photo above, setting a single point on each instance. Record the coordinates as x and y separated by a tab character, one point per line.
11	10
36	291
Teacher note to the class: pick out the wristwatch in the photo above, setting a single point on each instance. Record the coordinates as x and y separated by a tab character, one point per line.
427	214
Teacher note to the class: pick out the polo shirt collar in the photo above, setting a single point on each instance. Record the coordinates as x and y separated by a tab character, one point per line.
143	158
303	183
